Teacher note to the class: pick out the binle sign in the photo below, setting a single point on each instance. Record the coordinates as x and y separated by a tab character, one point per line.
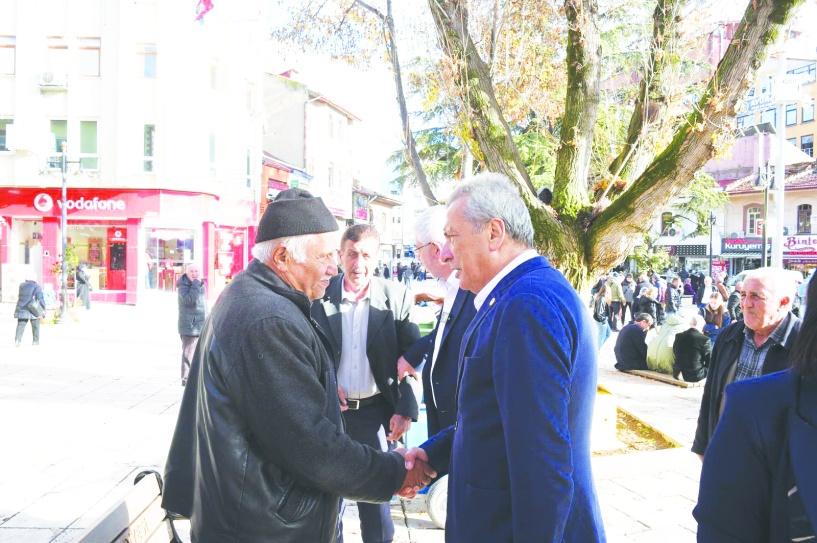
45	203
804	244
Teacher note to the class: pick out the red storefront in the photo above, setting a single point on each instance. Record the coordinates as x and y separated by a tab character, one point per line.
133	241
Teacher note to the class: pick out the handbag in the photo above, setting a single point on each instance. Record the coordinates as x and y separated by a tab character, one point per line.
33	306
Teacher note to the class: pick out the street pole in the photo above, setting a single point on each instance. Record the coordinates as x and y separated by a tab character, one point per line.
64	228
779	172
711	228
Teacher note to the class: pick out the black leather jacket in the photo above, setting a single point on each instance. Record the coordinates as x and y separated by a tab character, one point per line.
259	453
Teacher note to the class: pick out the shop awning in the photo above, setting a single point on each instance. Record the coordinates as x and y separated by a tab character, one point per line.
739	254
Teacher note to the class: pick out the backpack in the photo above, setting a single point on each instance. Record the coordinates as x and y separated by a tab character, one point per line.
600	310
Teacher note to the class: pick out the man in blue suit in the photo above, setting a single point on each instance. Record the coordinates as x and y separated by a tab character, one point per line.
441	348
519	453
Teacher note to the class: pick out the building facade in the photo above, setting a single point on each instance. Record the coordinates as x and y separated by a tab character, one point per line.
162	121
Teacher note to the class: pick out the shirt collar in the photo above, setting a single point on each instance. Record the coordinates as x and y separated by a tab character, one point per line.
512	265
776	337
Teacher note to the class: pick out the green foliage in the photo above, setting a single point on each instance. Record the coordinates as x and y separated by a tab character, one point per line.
649	257
699	198
537	149
71	259
440	154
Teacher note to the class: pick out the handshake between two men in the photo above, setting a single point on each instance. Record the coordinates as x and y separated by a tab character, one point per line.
418	471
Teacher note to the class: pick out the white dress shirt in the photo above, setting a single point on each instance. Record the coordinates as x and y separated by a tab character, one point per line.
512	265
450	288
354	372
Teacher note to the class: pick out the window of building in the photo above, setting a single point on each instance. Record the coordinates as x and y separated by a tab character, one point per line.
766	84
791	114
8	51
666	222
753	220
807	144
793	141
809	72
249	168
769	116
751	92
89	53
3	124
745	120
57	55
147	59
330	174
804	219
148	147
808	112
88	157
60	131
213	169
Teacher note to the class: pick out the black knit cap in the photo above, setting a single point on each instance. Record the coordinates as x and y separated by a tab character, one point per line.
295	212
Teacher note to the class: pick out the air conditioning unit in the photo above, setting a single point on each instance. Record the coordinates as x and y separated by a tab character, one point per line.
53	80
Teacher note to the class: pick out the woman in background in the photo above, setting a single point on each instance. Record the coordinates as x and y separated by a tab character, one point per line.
716	316
601	313
759	479
29	291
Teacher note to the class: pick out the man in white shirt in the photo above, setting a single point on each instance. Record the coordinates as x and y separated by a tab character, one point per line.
367	321
441	348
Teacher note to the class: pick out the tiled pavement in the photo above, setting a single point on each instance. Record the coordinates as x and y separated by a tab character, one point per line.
96	403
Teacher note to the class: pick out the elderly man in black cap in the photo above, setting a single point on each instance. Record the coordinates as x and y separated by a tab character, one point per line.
259	452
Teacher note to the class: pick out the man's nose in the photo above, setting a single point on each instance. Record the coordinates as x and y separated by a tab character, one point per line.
446	255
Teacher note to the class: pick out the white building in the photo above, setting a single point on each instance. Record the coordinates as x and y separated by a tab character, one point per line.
163	115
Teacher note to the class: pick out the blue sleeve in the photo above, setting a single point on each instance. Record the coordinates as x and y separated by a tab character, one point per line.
415	354
438	449
532	378
734	501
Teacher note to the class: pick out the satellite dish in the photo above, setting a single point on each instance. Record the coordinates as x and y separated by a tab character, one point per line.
733	235
785	230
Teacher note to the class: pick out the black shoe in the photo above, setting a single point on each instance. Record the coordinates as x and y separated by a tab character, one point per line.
184	382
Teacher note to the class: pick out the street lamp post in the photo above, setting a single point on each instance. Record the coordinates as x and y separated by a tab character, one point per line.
63	230
711	221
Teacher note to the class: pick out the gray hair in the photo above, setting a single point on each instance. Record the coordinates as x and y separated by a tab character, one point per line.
774	279
192	266
295	246
696	321
492	196
430	225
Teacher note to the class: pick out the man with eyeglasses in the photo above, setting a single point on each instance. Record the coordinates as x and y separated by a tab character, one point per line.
367	321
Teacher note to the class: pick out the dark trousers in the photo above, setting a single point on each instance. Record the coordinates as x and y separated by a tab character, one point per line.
625	306
615	310
21	326
364	426
188	348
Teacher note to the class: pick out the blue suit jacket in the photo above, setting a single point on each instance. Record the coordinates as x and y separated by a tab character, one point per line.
520	451
768	430
443	413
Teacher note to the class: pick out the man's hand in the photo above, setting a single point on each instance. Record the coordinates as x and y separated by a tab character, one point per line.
398	425
414	454
404	369
342	398
417	477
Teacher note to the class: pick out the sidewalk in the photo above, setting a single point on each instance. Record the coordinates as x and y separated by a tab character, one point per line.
97	401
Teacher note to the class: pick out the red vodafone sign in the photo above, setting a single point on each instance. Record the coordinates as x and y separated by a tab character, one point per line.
79	203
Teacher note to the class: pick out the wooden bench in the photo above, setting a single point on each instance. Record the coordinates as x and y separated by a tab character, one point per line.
136	518
664	378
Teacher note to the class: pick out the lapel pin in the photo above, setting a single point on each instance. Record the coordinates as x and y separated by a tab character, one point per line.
491	302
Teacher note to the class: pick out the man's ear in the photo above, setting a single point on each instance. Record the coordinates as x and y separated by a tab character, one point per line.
280	258
496	233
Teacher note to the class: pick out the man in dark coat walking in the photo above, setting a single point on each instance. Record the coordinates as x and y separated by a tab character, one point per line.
259	453
83	285
192	313
631	349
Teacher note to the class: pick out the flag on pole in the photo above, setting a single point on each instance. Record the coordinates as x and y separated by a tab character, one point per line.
202	8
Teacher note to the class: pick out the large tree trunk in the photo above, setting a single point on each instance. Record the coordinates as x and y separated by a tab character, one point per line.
615	230
570	185
387	21
649	115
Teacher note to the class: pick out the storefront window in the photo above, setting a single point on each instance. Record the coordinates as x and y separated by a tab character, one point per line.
168	252
804	219
230	255
91	244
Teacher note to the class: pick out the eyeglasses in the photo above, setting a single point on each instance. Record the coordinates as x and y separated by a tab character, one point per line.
417	249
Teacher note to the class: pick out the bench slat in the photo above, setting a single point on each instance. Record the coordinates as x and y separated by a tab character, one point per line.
144	527
162	535
110	525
